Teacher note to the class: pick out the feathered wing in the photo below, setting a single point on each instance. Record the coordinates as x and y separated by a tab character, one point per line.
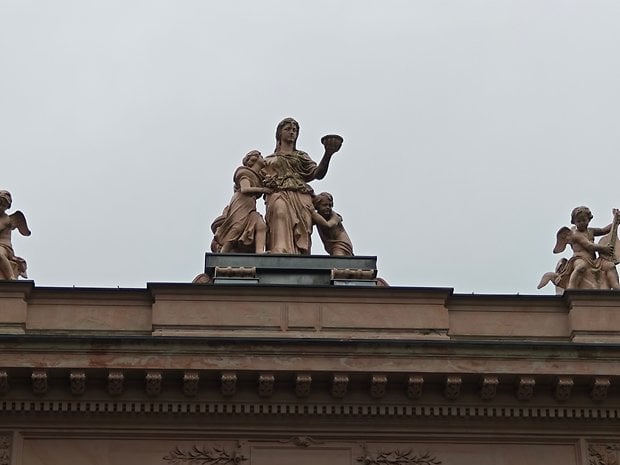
561	239
18	220
555	276
549	276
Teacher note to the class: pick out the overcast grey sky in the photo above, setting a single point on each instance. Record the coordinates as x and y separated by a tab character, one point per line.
471	127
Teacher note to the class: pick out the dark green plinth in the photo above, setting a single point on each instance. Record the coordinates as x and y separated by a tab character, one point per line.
301	270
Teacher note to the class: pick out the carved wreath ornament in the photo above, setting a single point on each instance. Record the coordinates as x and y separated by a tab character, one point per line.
398	457
5	449
603	454
204	456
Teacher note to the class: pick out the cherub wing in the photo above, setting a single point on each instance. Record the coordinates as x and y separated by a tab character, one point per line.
18	220
561	240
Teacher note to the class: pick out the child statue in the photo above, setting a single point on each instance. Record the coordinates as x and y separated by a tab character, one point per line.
329	223
11	266
240	228
586	270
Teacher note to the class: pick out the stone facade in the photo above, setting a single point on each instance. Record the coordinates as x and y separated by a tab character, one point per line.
279	375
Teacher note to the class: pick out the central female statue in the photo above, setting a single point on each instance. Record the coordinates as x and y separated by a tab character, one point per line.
289	207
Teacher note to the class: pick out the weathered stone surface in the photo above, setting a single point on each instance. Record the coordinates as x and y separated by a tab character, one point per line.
277	375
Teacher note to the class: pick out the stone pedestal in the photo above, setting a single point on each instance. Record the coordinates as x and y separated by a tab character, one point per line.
298	270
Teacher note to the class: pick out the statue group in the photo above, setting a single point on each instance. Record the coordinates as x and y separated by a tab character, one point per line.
292	210
291	206
593	264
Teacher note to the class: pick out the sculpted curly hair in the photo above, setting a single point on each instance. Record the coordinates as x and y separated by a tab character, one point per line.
578	210
323	195
6	197
248	157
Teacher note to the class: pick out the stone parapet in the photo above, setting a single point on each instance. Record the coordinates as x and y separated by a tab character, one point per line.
294	311
593	316
14	306
348	312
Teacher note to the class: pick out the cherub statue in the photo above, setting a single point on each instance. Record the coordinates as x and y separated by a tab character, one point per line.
11	266
586	270
240	228
329	223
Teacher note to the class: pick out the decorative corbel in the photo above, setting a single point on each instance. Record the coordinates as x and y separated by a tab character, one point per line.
340	385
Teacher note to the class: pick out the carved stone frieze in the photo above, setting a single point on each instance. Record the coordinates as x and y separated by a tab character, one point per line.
204	456
340	385
378	386
452	389
235	272
39	382
228	384
350	273
599	389
4	382
525	388
116	383
301	441
303	384
603	454
398	457
153	380
77	382
266	384
415	386
6	442
563	388
191	379
488	387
